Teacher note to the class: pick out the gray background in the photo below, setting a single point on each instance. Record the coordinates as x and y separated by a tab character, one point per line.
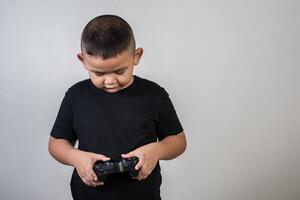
231	68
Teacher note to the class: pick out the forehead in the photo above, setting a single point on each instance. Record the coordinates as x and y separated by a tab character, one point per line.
122	60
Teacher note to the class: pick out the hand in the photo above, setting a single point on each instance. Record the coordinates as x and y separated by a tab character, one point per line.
148	159
84	166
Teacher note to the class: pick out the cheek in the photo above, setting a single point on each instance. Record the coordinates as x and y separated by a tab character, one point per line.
123	80
98	81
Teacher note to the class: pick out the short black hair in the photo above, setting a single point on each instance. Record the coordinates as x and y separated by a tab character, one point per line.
107	36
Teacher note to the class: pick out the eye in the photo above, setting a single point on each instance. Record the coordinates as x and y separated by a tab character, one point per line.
98	73
119	72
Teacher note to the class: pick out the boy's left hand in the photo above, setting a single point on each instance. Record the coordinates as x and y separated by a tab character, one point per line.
148	159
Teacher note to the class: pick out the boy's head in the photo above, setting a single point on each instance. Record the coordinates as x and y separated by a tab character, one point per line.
108	52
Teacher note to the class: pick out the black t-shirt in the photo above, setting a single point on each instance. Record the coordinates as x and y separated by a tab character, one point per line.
113	124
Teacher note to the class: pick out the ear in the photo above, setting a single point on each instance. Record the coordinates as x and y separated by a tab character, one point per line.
80	57
138	55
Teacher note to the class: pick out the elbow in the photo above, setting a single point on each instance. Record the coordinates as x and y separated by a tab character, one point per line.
184	141
50	146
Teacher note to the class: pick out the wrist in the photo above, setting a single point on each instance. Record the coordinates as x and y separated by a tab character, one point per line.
74	157
158	150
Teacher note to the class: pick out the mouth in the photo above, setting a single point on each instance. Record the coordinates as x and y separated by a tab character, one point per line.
111	90
110	87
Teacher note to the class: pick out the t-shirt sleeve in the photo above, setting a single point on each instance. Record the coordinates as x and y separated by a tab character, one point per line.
169	123
63	125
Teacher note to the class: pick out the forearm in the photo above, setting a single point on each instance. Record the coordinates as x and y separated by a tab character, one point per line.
62	150
171	147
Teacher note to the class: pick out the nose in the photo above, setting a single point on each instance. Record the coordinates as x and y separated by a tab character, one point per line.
110	80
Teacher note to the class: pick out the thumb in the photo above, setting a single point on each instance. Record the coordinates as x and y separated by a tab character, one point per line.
128	155
101	157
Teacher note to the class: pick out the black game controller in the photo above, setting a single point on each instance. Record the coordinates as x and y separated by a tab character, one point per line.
104	168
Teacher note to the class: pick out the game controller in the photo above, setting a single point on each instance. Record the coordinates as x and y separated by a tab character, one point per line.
105	168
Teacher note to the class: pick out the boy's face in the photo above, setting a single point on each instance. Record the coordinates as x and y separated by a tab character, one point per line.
112	74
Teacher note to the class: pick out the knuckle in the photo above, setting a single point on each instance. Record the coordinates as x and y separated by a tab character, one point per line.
91	173
90	179
86	182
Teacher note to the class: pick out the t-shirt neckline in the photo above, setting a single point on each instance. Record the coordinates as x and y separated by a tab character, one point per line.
134	82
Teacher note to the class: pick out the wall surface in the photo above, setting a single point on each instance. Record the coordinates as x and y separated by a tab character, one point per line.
232	69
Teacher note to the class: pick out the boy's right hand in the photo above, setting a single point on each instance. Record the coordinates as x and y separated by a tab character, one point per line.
84	163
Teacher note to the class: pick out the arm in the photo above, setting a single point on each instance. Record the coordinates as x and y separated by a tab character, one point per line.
65	152
171	146
168	148
62	150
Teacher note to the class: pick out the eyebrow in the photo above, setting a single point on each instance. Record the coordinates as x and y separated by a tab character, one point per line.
122	68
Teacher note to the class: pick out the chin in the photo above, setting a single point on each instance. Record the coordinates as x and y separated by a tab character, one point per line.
111	90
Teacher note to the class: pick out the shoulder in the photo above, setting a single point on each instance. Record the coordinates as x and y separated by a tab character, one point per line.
80	84
78	87
150	86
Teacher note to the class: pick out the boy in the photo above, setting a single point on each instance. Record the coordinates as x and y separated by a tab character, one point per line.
115	114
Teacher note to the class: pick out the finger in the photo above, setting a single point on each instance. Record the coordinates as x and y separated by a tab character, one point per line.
93	183
89	177
140	178
93	175
101	157
143	173
128	155
96	183
141	162
133	154
140	175
86	182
